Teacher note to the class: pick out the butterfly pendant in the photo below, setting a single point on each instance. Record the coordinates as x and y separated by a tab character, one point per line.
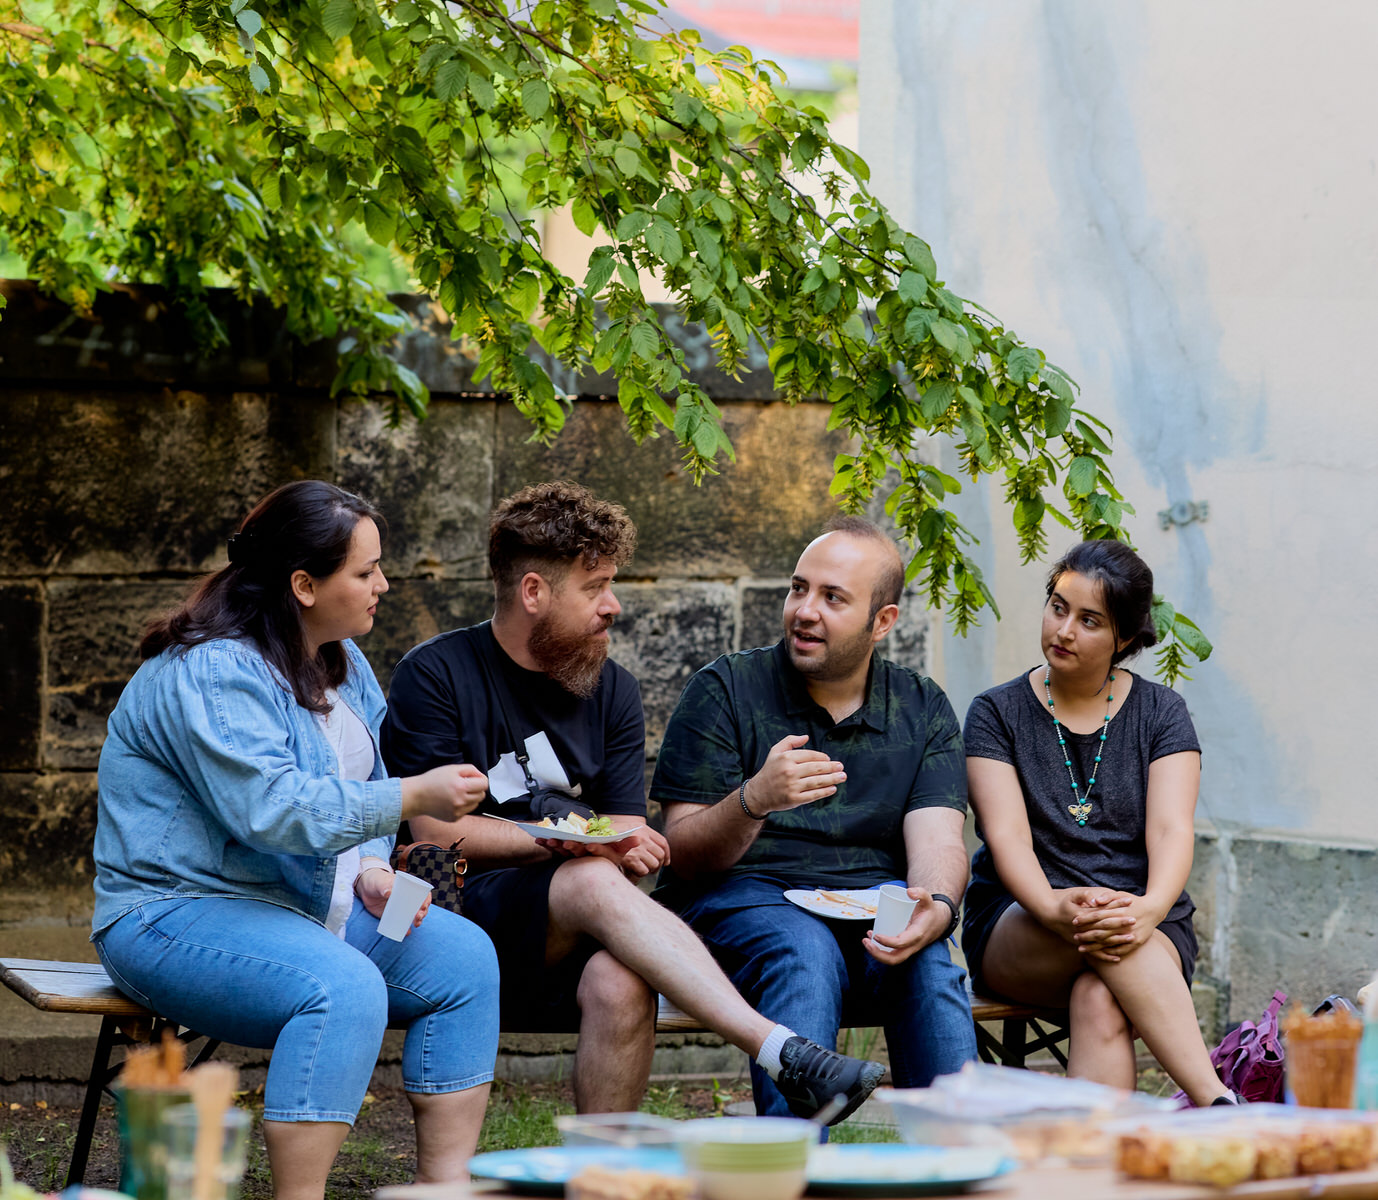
1080	812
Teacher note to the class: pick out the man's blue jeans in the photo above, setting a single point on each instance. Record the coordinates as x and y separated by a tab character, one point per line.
813	975
256	974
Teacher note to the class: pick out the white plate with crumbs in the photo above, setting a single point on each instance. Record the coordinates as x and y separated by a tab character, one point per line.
838	904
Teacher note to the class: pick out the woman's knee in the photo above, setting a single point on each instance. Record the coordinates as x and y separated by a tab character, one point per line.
1094	1010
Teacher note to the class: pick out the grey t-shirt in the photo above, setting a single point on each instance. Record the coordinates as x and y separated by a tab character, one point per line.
1011	724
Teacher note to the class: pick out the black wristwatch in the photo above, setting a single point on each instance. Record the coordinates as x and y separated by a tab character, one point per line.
956	917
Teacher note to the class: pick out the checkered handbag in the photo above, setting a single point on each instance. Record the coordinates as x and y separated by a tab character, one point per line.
443	869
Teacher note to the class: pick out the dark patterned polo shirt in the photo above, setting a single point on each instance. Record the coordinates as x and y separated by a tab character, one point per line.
902	750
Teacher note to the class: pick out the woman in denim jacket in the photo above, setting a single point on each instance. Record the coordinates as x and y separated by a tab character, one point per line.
242	847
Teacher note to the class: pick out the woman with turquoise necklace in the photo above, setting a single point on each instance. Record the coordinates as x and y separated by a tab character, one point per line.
1083	778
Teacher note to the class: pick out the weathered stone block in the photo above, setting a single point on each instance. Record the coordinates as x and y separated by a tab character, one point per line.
763	606
93	648
1305	918
753	519
667	632
432	480
907	643
45	855
21	675
108	483
416	609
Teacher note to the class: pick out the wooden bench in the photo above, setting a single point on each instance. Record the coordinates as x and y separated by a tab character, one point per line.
73	987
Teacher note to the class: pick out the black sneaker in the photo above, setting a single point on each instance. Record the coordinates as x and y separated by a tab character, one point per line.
811	1077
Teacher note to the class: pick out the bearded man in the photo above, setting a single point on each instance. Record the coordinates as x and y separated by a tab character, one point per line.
816	763
532	699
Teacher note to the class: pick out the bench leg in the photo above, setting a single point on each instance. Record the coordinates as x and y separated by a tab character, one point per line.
1012	1048
90	1108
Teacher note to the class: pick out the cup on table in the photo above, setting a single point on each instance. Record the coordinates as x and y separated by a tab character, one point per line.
181	1129
893	910
408	894
1321	1069
143	1158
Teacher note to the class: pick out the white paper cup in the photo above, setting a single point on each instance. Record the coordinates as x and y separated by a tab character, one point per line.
893	910
408	894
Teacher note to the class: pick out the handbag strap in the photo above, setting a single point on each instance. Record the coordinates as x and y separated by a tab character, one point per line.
518	743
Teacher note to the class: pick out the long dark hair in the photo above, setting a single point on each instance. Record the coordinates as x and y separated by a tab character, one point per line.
304	526
1126	587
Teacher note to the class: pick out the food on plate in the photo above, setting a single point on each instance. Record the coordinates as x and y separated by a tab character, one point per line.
603	1183
1280	1148
573	823
851	903
1334	1146
1221	1159
1142	1154
1277	1154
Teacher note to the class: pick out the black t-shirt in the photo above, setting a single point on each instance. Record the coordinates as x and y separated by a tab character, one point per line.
451	701
1011	724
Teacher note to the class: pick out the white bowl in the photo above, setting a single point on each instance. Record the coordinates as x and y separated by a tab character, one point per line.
748	1158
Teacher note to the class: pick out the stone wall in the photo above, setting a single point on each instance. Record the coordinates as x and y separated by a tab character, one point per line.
128	458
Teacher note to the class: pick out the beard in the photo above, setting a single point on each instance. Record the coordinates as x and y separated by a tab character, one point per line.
573	660
838	660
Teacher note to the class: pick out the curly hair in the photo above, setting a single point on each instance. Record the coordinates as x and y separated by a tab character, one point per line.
546	526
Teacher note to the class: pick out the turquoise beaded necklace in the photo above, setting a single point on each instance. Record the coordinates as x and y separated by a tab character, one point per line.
1082	808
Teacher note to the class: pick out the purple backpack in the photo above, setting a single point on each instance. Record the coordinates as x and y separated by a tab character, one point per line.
1249	1057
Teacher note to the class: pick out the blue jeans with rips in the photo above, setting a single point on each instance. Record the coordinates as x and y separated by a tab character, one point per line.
812	974
255	974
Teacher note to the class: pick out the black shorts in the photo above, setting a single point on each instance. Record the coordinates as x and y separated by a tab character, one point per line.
512	905
985	905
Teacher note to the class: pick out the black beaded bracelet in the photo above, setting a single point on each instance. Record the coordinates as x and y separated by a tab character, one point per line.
741	795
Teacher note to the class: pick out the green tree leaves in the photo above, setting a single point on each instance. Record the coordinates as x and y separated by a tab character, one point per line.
280	148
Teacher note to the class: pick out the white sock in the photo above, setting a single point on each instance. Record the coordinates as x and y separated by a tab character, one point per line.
769	1057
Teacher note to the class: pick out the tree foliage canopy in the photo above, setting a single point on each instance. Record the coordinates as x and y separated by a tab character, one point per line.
258	142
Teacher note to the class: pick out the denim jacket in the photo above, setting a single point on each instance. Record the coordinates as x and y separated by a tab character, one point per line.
214	781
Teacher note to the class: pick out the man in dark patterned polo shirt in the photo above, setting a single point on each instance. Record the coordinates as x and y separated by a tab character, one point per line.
816	763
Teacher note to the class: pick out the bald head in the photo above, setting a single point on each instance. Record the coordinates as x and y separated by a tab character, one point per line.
880	552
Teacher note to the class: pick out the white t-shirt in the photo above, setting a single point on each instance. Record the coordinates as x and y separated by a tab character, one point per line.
353	746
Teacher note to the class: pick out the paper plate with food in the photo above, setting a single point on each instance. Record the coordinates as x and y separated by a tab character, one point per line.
570	828
840	904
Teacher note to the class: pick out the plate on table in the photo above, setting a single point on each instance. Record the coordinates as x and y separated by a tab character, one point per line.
841	904
901	1170
561	835
546	1170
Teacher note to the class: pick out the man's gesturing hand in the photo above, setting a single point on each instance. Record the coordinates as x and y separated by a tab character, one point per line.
792	776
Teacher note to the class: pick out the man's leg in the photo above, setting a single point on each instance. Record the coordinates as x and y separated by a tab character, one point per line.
617	1017
923	1005
784	961
591	897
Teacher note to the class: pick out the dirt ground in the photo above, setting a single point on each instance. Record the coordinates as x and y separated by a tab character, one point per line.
380	1150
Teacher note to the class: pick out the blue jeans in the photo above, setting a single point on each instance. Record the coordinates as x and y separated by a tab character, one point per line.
812	975
255	974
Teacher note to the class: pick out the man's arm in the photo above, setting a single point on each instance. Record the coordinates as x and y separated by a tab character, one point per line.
937	862
713	837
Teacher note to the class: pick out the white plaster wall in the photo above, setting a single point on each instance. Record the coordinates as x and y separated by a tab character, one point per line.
1176	201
